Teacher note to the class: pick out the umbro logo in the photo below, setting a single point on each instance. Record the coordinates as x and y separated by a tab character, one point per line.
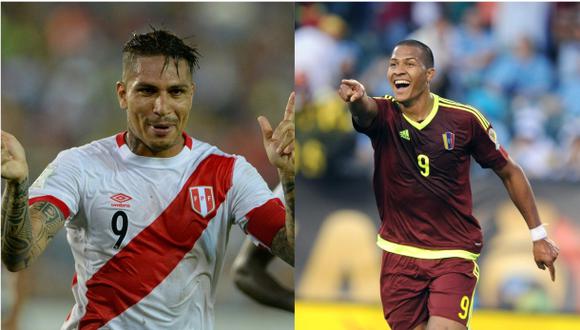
405	134
121	200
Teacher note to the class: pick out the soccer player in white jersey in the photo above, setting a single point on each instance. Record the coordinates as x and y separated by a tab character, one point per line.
147	212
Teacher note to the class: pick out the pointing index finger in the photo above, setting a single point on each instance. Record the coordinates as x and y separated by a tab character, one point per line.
552	272
289	113
349	82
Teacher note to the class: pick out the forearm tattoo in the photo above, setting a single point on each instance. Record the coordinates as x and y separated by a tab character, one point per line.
16	227
26	231
283	243
288	186
281	247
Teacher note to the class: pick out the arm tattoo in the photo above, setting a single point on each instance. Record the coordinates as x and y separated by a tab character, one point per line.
26	231
281	247
288	185
283	243
16	231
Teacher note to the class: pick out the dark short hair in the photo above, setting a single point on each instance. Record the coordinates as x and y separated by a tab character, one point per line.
160	42
427	59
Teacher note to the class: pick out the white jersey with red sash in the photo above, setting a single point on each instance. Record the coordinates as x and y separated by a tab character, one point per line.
149	235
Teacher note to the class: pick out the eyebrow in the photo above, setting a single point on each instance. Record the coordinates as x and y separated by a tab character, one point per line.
146	84
143	84
184	86
403	59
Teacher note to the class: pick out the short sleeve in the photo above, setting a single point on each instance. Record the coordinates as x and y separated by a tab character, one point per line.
485	146
59	183
279	192
256	209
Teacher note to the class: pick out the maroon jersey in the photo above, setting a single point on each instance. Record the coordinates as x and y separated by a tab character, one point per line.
421	177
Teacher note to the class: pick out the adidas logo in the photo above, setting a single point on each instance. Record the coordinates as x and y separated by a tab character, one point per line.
405	134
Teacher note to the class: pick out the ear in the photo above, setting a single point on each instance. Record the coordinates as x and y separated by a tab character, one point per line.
430	74
121	95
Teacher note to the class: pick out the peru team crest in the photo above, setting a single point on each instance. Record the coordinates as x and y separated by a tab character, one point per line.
202	201
448	140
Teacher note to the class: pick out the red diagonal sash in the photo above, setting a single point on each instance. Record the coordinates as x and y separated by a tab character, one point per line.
150	257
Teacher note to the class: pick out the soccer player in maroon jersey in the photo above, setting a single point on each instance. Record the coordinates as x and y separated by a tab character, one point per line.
431	240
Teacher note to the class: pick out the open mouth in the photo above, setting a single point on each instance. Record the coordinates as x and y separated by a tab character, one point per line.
161	129
401	84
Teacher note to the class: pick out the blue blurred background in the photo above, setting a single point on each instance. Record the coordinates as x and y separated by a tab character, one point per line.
519	64
60	62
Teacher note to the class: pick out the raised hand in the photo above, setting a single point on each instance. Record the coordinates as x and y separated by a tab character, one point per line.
279	143
351	90
364	110
545	254
14	165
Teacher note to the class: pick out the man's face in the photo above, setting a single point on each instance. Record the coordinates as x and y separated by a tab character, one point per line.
158	101
407	73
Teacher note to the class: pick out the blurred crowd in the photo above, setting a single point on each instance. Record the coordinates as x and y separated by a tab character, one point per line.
60	62
518	63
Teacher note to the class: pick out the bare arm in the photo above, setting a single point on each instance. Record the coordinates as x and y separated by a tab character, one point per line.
251	277
283	242
362	107
26	231
279	145
518	187
21	287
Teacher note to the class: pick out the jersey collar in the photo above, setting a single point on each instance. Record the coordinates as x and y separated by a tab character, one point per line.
120	138
155	162
429	117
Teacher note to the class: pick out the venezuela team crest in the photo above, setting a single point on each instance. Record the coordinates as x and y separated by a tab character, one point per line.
448	140
202	201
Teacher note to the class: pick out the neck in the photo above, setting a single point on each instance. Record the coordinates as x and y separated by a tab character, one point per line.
138	147
419	108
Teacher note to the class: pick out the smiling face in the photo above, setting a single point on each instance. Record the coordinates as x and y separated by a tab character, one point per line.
157	98
407	73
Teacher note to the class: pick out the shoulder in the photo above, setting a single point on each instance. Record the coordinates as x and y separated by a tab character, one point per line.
89	156
74	163
75	153
387	105
234	165
216	160
210	150
386	99
206	151
105	145
463	112
230	169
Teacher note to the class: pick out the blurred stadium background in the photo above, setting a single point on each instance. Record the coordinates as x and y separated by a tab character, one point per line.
519	63
60	62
